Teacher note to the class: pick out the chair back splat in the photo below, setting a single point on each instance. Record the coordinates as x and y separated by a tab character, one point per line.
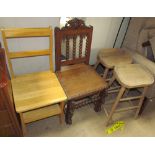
73	43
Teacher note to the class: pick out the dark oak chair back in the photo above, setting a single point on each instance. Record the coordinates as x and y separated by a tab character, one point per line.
73	43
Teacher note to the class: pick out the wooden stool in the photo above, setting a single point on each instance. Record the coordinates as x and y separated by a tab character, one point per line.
112	57
130	76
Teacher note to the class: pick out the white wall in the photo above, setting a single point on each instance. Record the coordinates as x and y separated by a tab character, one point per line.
104	33
27	65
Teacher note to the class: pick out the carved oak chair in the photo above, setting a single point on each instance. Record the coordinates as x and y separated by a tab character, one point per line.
81	83
36	95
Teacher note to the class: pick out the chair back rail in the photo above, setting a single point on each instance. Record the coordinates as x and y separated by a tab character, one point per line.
73	43
27	33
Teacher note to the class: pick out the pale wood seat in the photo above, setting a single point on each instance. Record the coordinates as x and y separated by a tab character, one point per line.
129	76
112	57
36	90
36	95
133	76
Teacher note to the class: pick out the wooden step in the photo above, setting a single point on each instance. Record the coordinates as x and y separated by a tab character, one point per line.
41	113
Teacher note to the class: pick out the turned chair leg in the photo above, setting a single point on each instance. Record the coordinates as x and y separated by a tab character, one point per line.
69	112
61	116
101	101
120	94
141	101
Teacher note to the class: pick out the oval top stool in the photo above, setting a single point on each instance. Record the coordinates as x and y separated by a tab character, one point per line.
112	57
130	76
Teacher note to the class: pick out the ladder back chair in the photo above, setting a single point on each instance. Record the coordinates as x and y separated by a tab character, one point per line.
81	83
36	95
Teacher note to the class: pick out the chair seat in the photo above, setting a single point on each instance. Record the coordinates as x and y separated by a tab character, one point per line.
133	76
114	57
80	80
36	90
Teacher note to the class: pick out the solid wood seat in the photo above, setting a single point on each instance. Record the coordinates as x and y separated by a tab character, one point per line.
112	57
36	90
116	60
36	95
133	76
80	81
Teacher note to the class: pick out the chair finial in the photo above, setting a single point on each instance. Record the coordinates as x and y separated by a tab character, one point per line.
75	23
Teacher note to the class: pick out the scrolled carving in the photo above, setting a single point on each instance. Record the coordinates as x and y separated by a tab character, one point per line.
75	23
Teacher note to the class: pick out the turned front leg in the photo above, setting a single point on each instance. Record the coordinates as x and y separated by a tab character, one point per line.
101	101
69	112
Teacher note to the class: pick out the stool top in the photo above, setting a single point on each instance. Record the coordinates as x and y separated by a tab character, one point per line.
133	76
114	57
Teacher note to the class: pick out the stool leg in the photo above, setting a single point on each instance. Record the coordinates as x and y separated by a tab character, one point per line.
111	81
105	73
97	63
120	94
141	101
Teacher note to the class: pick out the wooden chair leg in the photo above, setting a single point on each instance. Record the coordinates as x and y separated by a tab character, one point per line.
105	73
97	63
141	101
61	116
23	124
120	94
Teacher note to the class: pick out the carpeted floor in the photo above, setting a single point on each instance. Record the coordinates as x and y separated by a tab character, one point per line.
87	123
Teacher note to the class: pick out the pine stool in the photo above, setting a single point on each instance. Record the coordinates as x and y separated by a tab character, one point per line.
130	76
112	57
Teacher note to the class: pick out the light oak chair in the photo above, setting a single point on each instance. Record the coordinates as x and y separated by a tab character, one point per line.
129	76
81	83
36	95
110	58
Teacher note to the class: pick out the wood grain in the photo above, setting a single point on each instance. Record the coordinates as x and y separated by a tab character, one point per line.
22	54
81	80
41	113
36	90
27	32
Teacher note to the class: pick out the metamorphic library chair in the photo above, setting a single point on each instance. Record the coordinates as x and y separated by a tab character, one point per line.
36	95
81	83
